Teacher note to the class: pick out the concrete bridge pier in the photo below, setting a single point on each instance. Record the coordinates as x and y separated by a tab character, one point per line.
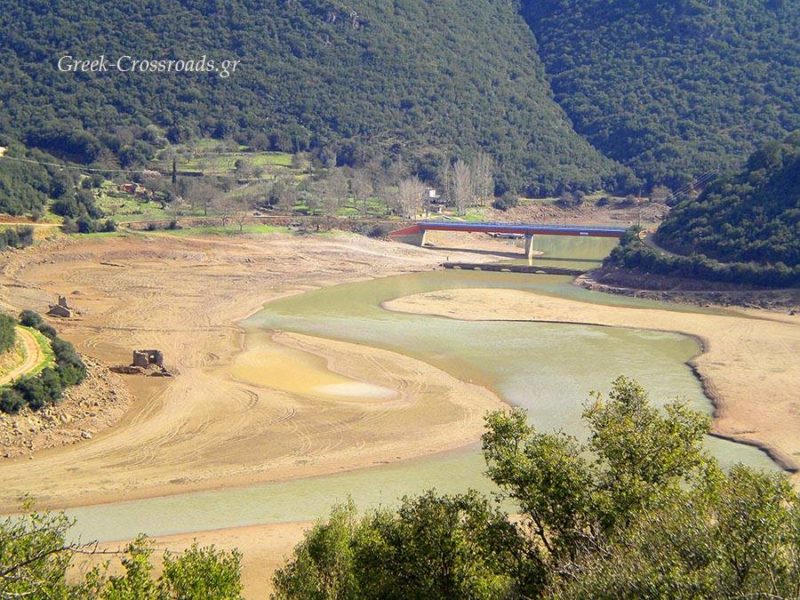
529	245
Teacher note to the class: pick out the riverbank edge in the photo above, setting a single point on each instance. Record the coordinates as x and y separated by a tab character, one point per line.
716	400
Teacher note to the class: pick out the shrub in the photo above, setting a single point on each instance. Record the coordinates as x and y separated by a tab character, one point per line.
29	318
48	386
506	202
7	333
11	401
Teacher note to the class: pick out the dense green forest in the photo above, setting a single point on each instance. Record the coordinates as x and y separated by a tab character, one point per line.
744	227
428	81
753	216
673	88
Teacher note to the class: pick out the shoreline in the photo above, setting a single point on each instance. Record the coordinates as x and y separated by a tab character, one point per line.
721	406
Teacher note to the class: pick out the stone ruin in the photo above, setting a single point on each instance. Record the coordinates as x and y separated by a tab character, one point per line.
145	358
62	309
145	362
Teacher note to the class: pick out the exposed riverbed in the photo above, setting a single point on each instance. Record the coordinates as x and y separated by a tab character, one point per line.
547	368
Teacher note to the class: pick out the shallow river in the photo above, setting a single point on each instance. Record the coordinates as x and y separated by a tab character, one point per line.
549	369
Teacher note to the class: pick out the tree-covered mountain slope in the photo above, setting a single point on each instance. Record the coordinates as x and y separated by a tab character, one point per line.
673	88
426	79
753	216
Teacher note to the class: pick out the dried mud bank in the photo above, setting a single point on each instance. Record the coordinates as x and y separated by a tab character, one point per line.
205	428
681	291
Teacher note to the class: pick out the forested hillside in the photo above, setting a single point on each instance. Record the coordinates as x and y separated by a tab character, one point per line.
425	80
753	216
673	88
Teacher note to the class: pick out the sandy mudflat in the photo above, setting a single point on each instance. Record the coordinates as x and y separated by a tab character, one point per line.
749	365
208	427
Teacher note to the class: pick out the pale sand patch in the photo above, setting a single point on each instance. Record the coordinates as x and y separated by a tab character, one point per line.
749	364
264	548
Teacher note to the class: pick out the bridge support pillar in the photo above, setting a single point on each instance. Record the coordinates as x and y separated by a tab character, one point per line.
419	238
528	245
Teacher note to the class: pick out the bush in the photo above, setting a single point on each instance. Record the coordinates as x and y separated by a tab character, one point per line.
506	202
29	318
11	401
8	334
18	237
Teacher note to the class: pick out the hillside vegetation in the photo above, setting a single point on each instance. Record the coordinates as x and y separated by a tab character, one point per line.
424	80
673	88
753	216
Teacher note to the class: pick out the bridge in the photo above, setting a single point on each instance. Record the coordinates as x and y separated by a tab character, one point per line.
416	233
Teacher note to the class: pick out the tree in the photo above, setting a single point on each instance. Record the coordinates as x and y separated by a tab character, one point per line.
462	186
34	557
332	191
637	511
434	547
241	207
201	193
202	572
362	186
572	502
407	201
483	177
735	537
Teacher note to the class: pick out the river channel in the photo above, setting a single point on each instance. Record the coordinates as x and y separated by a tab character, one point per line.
549	369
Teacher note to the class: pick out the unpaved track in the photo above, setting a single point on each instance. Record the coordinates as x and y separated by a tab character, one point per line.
33	356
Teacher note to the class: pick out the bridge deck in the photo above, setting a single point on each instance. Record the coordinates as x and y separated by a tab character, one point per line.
511	228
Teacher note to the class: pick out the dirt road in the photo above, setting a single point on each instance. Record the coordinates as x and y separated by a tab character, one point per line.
33	356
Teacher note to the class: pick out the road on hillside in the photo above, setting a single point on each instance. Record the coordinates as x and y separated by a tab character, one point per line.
33	356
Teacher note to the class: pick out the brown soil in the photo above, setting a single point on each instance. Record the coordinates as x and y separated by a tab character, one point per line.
199	430
94	405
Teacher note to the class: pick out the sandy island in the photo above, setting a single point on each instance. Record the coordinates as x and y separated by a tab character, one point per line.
748	366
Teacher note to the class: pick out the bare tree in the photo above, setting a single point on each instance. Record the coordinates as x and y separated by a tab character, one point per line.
331	191
408	198
483	177
201	193
362	187
241	209
463	188
285	194
224	207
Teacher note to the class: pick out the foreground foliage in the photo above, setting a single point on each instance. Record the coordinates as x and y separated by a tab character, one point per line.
638	511
35	555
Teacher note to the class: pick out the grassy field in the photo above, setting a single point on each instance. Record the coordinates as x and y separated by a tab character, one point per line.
122	207
231	229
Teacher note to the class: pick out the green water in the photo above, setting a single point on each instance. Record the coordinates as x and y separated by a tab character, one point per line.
549	369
